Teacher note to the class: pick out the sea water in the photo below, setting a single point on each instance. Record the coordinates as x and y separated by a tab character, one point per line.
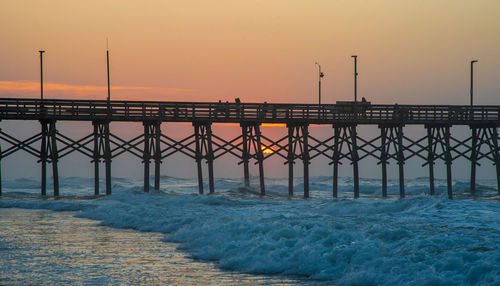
419	240
42	247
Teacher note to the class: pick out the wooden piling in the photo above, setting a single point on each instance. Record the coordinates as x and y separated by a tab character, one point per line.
157	154
245	155
210	158
260	159
401	162
355	158
96	157
336	156
473	161
290	160
43	158
203	138
448	160
107	157
496	156
383	160
430	158
305	158
198	157
146	154
54	157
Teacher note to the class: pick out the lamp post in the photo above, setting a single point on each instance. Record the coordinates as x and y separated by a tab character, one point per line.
41	74
107	65
355	78
320	76
472	82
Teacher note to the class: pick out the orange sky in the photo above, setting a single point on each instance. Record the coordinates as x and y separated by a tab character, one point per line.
66	91
409	51
258	50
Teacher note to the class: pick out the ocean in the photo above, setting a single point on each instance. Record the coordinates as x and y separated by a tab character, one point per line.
235	236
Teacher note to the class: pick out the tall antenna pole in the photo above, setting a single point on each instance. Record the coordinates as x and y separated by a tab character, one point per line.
355	78
41	74
107	61
472	82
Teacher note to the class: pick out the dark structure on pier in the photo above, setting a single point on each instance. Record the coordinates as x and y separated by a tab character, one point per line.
344	144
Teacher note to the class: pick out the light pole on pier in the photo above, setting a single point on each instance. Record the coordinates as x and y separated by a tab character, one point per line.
355	78
41	74
107	65
472	83
320	76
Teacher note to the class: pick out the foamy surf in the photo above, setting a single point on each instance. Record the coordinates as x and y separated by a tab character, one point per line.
413	241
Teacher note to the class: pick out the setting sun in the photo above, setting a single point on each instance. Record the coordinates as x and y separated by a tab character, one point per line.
267	150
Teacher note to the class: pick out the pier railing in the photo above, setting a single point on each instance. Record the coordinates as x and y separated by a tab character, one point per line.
347	112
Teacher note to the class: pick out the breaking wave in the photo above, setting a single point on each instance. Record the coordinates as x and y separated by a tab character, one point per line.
370	241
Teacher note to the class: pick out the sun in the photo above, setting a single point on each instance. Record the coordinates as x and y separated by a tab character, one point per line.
267	150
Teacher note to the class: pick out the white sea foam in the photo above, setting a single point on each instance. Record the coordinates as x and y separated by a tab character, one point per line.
369	241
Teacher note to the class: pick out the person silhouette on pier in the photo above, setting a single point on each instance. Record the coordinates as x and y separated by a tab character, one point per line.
219	108
238	107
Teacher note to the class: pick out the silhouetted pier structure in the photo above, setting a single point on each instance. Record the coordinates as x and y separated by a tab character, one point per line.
344	144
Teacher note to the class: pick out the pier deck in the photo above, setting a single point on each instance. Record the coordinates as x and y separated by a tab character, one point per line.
225	112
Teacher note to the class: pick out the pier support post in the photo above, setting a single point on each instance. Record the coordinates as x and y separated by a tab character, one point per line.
203	138
448	160
383	159
496	155
290	159
401	162
355	159
486	134
54	156
245	156
198	158
146	155
107	157
345	134
305	158
96	158
439	135
336	157
252	138
43	158
430	159
392	135
102	150
210	159
152	137
473	161
298	134
49	151
157	153
260	160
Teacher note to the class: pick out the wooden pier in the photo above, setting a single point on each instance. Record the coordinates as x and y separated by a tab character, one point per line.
344	144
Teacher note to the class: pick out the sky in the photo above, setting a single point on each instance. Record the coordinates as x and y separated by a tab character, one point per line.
409	52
